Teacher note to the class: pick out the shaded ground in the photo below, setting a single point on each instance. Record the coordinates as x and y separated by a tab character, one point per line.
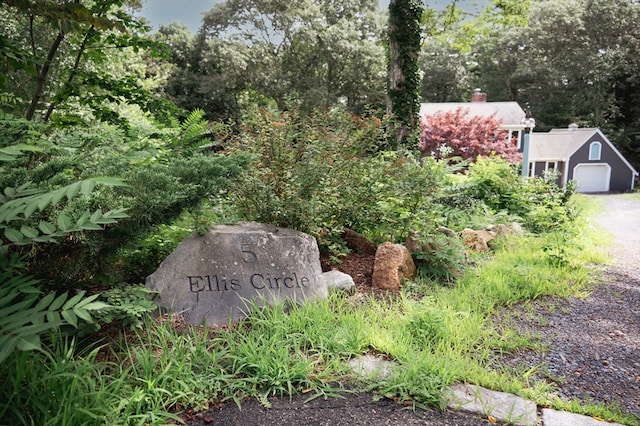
353	410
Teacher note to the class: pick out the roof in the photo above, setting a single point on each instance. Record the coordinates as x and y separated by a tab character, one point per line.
509	112
557	144
561	144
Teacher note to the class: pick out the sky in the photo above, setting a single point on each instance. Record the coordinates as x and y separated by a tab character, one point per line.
189	12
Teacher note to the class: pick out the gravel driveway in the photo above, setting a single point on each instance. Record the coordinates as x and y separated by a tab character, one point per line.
621	218
594	342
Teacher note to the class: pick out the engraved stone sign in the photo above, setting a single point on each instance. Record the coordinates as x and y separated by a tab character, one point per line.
215	278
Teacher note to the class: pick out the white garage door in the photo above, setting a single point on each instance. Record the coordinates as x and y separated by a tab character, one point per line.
592	177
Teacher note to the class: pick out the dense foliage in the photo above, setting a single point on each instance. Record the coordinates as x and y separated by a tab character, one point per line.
116	144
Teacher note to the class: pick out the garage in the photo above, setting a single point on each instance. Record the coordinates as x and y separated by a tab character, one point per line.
592	177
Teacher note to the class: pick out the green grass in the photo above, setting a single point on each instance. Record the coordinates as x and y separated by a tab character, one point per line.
445	335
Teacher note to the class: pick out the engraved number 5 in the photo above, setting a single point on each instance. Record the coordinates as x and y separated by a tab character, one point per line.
248	256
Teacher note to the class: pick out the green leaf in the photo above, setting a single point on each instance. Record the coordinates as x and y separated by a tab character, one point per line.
95	306
83	219
29	232
64	222
72	190
45	199
56	304
45	302
87	300
57	195
53	317
47	227
71	302
70	317
13	235
87	186
29	343
83	314
45	239
30	208
96	215
92	227
6	348
116	214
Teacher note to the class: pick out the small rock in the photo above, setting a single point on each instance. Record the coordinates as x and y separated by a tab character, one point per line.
393	264
339	281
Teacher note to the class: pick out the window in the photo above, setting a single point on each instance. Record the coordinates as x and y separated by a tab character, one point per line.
550	168
594	150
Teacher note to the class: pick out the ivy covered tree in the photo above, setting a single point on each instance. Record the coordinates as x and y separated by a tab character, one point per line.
404	76
459	134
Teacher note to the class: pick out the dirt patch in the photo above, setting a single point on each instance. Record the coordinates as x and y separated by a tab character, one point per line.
359	266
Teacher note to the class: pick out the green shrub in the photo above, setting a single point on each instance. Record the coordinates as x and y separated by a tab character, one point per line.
306	170
321	173
128	304
538	203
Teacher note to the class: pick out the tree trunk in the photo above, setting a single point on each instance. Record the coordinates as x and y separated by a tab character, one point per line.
403	73
42	76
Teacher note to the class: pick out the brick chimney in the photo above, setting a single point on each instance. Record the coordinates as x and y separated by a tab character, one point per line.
478	96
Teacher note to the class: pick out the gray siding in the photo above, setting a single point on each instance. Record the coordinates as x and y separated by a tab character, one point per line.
621	175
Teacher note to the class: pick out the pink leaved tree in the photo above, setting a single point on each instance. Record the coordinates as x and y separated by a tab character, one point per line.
458	134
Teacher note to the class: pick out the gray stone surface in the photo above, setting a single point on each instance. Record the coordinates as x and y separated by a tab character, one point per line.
339	280
215	278
503	406
564	418
369	366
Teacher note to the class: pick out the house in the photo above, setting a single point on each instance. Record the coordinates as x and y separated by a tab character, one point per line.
581	154
510	113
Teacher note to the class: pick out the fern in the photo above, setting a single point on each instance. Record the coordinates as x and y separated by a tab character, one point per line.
193	130
25	315
19	205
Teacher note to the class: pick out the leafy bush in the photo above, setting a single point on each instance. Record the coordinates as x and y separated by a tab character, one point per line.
442	258
127	304
306	170
321	173
538	203
165	171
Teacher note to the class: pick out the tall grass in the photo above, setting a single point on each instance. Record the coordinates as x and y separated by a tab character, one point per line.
446	335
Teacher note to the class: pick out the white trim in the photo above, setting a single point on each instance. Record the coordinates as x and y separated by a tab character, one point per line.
591	165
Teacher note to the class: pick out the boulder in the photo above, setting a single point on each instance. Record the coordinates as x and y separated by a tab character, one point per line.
358	242
218	277
502	229
477	240
393	264
447	231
